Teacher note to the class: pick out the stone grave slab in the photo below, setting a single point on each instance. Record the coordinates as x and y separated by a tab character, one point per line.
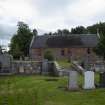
73	80
89	80
5	63
45	66
21	69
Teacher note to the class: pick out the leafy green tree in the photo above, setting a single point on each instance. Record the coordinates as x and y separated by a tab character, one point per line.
100	49
59	32
20	42
48	55
65	32
93	29
62	32
79	30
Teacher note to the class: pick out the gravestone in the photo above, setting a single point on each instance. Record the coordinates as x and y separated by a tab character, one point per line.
51	69
102	80
89	80
21	66
73	80
45	66
5	61
21	69
60	73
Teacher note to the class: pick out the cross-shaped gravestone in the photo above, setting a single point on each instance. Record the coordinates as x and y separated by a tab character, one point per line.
73	80
89	80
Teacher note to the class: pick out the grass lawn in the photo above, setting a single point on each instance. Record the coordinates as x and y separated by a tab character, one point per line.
64	63
40	90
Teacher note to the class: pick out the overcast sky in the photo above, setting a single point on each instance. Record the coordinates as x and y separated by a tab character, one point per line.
48	15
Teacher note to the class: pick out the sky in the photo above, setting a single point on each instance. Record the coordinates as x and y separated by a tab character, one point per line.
48	15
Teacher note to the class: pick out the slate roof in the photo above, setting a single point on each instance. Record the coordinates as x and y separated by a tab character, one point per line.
79	40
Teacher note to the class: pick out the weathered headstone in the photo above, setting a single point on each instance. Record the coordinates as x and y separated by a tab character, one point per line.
21	69
89	80
102	80
27	68
45	66
73	80
5	61
60	73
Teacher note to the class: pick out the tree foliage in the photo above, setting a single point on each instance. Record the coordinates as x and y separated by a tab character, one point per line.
59	32
20	42
100	27
48	55
79	30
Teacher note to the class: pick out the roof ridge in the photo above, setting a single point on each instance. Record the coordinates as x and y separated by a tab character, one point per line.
66	35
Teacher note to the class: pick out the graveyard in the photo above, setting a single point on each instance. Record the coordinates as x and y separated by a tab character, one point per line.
28	82
52	52
45	90
70	81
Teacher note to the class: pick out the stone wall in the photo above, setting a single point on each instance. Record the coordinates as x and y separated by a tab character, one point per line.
26	67
44	67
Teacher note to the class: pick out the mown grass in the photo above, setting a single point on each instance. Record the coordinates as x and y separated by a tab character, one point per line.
64	63
44	90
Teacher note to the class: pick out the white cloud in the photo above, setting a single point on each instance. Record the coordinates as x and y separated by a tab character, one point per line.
18	9
75	12
84	11
50	15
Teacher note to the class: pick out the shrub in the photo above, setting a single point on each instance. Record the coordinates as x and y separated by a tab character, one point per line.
48	55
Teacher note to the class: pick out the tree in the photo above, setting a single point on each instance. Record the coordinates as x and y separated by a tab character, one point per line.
78	30
20	42
50	33
48	55
65	32
93	29
100	49
59	32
